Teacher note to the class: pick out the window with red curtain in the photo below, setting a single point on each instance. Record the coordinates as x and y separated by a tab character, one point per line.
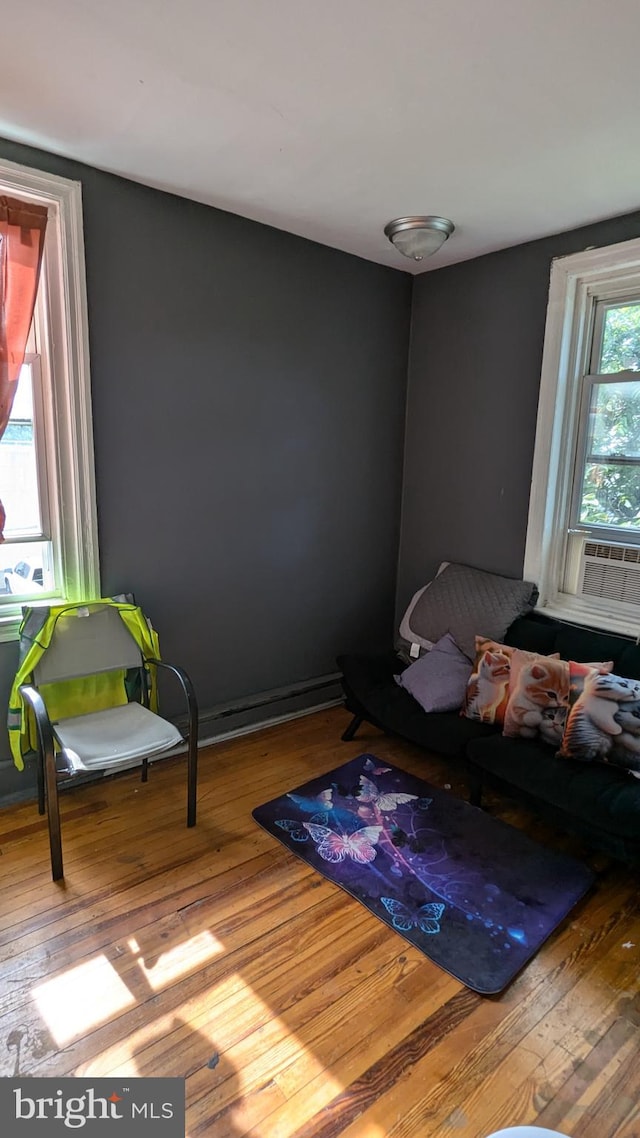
22	230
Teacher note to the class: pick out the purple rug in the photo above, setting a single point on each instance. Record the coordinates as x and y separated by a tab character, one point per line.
477	896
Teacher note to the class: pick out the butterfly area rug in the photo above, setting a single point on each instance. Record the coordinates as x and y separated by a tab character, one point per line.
477	896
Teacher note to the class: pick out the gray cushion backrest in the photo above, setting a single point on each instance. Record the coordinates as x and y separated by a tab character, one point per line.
467	602
87	641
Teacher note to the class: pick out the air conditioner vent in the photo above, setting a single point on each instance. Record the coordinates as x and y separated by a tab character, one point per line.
611	572
612	552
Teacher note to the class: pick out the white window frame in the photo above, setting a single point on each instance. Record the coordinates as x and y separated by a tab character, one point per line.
62	323
600	531
577	283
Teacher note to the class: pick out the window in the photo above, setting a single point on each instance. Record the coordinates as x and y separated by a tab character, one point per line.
26	558
583	538
50	552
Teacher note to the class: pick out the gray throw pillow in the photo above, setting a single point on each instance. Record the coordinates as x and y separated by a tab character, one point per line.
438	680
466	602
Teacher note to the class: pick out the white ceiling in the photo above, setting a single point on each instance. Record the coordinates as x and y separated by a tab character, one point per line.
327	118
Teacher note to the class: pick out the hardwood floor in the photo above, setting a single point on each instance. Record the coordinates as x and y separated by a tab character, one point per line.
216	955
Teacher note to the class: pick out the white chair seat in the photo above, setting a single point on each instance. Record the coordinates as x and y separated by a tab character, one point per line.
107	738
527	1132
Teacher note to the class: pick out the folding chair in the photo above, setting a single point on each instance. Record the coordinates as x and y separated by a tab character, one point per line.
91	688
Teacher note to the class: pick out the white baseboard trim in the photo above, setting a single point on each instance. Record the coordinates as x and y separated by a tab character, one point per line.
272	721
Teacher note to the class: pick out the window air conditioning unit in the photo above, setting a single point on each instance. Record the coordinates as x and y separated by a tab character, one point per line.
610	572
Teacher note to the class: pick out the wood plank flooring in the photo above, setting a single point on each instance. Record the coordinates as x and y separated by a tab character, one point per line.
215	955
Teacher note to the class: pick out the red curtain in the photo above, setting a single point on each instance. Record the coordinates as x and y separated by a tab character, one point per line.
22	230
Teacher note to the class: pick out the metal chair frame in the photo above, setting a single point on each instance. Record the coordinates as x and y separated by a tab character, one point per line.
48	774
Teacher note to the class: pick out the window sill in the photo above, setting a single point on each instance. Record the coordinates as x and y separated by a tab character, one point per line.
11	616
575	611
9	626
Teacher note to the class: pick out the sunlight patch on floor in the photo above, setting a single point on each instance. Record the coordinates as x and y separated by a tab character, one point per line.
368	1130
177	961
81	999
252	1046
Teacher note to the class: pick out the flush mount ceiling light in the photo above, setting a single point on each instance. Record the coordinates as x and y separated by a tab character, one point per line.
418	237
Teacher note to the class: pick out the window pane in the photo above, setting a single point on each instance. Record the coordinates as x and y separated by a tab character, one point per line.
614	420
620	339
611	495
26	569
18	467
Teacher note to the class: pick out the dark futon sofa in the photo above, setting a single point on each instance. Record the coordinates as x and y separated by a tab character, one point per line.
599	803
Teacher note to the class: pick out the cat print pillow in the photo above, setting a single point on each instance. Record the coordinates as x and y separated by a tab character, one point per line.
603	723
488	687
491	681
539	695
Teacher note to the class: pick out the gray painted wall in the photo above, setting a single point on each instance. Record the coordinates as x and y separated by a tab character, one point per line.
249	397
477	334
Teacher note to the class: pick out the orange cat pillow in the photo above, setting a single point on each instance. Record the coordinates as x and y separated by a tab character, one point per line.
488	688
487	691
539	696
